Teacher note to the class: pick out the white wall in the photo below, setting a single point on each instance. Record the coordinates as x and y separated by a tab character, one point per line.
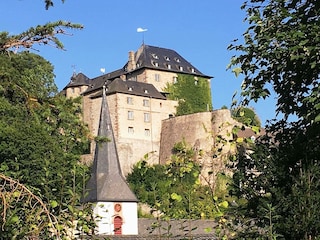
104	213
130	218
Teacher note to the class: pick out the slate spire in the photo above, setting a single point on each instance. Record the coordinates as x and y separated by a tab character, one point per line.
107	183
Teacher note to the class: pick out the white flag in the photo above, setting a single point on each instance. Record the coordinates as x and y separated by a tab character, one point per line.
141	29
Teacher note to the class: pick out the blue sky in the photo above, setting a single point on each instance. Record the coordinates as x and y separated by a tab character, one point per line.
199	30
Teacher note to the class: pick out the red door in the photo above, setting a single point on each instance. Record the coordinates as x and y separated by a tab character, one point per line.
117	225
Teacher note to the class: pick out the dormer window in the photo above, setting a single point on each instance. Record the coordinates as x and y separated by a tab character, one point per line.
146	91
191	69
180	68
130	89
156	64
154	56
169	66
177	59
167	58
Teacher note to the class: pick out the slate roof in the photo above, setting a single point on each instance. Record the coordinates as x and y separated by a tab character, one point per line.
161	58
78	80
98	82
107	183
132	88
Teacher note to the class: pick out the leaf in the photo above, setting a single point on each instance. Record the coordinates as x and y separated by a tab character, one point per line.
255	129
14	219
239	140
177	197
224	204
237	71
16	194
53	203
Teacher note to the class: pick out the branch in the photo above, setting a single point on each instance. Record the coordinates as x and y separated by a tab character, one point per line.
8	195
49	3
42	34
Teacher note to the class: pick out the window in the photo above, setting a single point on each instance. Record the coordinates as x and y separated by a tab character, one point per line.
177	59
180	68
155	64
167	58
157	77
147	132
130	115
169	66
129	100
146	91
130	130
146	117
146	102
133	78
130	89
175	79
155	56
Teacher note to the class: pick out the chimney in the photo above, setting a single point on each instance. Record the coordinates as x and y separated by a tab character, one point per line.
131	62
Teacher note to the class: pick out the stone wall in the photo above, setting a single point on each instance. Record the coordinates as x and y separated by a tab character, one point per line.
173	229
200	131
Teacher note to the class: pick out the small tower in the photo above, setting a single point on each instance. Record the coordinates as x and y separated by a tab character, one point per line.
115	205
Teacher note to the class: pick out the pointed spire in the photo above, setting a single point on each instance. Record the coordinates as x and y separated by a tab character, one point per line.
107	183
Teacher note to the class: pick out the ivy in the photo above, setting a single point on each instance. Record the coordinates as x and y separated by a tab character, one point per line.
192	93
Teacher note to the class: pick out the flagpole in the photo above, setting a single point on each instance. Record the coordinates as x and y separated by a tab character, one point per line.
142	30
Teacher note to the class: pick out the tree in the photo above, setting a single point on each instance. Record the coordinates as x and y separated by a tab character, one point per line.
281	51
246	115
174	188
41	140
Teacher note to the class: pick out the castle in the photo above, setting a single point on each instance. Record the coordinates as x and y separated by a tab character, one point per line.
137	100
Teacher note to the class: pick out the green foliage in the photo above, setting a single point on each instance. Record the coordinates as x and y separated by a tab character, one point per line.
174	189
26	77
280	51
41	140
192	93
246	115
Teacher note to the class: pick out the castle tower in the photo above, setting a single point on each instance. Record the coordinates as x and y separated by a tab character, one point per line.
115	205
